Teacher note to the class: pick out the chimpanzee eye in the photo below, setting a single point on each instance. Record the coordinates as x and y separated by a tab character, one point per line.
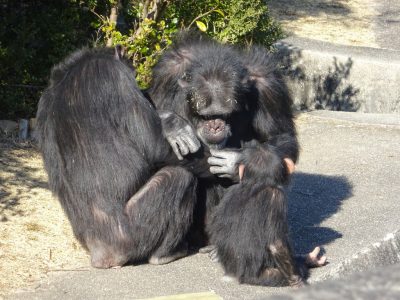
231	100
214	117
187	77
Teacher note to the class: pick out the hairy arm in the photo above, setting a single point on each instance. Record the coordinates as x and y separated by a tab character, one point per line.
274	150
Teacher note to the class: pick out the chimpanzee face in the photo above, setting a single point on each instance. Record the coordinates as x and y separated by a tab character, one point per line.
214	92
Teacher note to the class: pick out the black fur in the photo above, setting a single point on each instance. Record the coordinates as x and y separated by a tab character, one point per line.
200	79
106	161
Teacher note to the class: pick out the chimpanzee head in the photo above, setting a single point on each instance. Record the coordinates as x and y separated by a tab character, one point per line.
214	87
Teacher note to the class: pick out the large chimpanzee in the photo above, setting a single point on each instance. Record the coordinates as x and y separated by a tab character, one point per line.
109	164
240	109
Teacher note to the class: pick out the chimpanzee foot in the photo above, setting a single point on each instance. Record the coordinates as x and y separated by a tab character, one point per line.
154	260
312	259
165	259
212	252
103	256
107	261
213	255
296	282
207	249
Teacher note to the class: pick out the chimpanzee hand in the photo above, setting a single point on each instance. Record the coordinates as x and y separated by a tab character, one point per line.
179	134
225	163
229	163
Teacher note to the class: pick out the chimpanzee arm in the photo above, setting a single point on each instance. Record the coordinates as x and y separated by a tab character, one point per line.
179	134
260	160
272	123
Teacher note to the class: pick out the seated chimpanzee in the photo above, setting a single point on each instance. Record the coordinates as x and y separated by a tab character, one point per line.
240	108
121	186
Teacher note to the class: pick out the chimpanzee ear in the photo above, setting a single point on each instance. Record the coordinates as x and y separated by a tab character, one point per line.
119	52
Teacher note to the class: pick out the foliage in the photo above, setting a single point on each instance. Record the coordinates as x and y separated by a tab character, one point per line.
235	21
248	22
34	35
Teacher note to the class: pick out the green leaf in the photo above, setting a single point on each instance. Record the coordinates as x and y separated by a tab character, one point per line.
220	12
201	26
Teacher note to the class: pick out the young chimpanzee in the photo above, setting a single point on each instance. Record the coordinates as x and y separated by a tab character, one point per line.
109	164
240	109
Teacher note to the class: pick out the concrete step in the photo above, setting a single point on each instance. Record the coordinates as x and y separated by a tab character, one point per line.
329	76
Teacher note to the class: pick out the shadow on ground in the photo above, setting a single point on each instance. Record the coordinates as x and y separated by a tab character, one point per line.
312	199
17	178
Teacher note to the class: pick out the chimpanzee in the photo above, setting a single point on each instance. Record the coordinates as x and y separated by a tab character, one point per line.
240	109
109	164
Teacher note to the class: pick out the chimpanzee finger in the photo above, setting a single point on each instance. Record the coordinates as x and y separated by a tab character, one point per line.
175	148
192	142
213	255
220	153
226	176
232	157
241	171
182	146
218	170
290	165
215	161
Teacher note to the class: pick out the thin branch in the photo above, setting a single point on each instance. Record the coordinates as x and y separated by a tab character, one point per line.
202	15
113	21
97	15
159	9
145	11
103	20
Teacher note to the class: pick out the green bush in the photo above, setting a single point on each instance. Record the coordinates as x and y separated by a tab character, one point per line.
35	35
229	21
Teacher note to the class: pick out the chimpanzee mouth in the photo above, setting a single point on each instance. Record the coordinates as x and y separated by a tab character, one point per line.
215	131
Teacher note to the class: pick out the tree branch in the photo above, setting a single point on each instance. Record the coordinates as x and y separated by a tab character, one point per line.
113	21
145	11
200	16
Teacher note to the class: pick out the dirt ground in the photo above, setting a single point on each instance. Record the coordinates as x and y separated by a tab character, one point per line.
35	236
347	22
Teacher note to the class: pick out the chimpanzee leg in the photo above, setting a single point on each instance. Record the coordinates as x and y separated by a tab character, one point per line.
285	263
153	222
179	210
207	200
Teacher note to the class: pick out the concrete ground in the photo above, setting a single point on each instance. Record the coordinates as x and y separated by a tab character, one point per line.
344	196
387	24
